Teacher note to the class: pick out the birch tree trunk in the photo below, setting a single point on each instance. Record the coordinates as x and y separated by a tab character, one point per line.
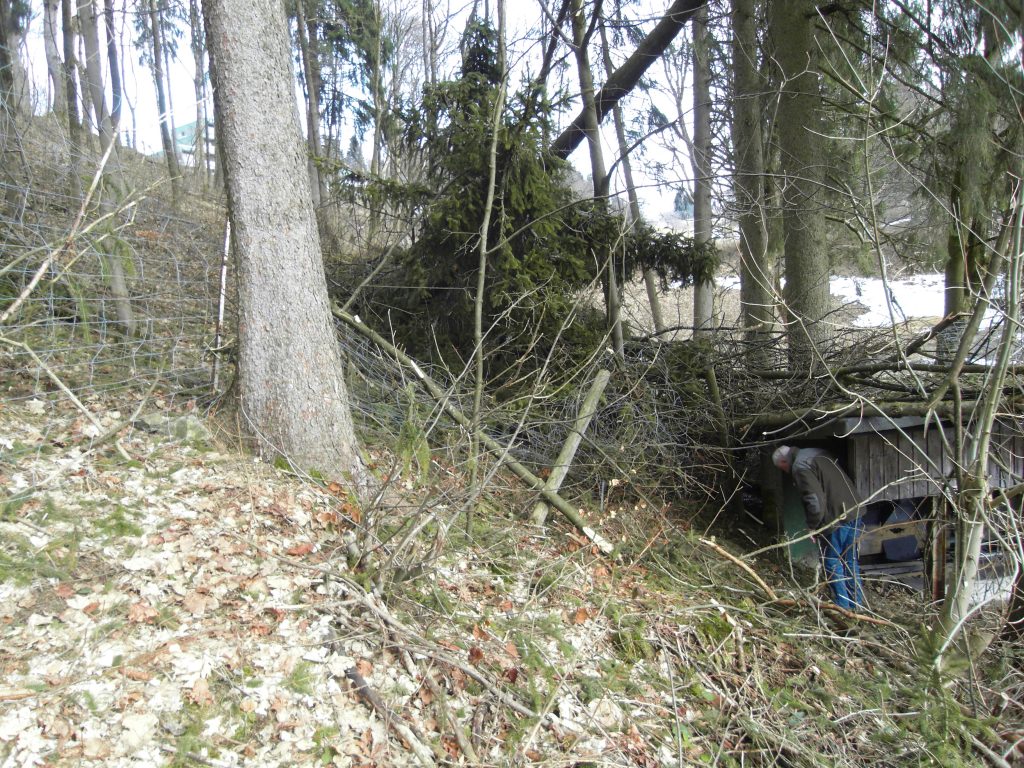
292	393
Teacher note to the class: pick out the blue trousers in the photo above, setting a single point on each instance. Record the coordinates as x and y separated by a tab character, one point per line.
839	556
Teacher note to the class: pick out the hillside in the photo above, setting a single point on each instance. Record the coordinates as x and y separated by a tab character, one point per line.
167	600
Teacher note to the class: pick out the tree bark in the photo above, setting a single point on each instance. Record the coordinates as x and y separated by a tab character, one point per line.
748	183
800	138
166	140
591	129
311	73
54	65
703	289
88	24
198	46
292	393
71	93
625	78
650	276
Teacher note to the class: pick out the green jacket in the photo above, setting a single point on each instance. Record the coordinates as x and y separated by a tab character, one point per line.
827	491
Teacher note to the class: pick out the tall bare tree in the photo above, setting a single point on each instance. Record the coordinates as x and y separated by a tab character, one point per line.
703	285
801	146
51	46
166	140
71	93
582	29
748	179
292	393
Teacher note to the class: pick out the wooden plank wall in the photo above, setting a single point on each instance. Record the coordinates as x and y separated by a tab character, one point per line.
902	464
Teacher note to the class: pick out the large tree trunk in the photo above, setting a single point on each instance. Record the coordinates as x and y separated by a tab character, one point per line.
13	25
800	138
748	185
703	286
292	392
88	25
170	152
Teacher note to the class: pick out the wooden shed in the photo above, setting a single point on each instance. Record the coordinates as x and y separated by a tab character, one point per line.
903	470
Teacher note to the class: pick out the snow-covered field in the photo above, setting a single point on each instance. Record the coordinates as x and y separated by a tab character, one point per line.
910	297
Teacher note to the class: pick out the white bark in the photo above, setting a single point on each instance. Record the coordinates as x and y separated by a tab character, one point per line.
54	66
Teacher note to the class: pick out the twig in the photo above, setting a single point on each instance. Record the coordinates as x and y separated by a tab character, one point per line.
461	419
990	755
64	388
442	704
746	568
38	276
391	720
788	603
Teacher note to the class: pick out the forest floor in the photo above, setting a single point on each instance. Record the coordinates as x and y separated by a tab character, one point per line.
165	599
183	604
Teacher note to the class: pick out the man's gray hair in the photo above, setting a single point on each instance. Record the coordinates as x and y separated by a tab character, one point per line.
782	453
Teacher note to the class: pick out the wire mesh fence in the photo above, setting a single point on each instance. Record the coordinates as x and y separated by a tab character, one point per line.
73	326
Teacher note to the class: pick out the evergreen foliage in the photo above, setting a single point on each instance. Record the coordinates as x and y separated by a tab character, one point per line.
542	241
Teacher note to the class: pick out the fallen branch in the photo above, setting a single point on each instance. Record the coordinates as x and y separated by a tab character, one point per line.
442	704
833	608
67	392
746	568
524	474
572	443
391	720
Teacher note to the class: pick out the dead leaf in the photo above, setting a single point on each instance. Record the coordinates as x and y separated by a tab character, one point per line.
64	591
299	549
327	517
451	746
138	613
354	513
511	674
425	695
364	667
195	603
200	693
476	655
511	650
